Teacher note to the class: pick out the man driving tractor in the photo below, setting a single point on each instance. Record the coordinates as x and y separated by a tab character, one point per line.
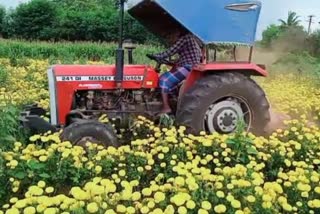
189	51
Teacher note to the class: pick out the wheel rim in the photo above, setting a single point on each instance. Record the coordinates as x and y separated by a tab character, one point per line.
223	116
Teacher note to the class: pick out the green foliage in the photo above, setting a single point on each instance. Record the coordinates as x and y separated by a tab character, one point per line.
242	145
4	75
314	43
270	34
2	19
79	20
67	52
9	126
300	62
291	37
166	120
33	20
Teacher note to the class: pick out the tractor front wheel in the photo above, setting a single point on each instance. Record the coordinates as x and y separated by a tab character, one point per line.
217	102
81	132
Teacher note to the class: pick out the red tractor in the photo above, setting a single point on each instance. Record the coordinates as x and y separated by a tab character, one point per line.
213	98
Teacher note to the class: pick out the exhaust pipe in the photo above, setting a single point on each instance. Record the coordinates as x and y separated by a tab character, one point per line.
120	51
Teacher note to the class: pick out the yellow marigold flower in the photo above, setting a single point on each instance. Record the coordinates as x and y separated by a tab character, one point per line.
251	198
110	211
287	207
159	196
220	208
230	186
220	194
29	210
122	173
92	207
13	163
144	210
136	196
316	203
206	205
131	210
43	158
154	187
314	179
21	204
239	212
182	210
121	208
266	198
207	143
317	190
266	205
179	181
179	199
161	156
148	168
12	211
50	211
305	194
41	184
191	204
13	200
6	206
169	209
151	204
49	190
235	204
157	211
202	211
146	191
287	184
98	169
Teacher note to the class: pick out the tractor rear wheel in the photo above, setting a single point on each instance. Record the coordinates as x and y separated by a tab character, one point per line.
217	102
81	132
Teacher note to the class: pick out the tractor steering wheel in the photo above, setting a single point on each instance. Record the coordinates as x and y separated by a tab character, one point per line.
159	61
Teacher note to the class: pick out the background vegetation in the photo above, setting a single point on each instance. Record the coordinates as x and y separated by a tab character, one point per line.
76	20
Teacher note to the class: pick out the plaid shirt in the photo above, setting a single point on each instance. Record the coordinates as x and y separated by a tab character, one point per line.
188	50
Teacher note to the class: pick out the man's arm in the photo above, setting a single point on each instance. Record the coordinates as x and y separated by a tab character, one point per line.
172	50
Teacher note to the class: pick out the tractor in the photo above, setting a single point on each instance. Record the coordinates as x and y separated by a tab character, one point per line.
213	98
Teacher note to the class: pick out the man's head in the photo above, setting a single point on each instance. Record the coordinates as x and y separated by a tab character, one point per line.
175	35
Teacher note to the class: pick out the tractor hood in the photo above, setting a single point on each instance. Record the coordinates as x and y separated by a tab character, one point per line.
212	21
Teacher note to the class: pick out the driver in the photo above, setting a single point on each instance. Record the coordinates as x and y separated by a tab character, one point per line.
187	47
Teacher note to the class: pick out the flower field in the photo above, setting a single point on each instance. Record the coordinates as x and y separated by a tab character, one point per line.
162	170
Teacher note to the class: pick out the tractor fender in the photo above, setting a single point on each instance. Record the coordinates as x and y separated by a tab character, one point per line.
248	69
244	67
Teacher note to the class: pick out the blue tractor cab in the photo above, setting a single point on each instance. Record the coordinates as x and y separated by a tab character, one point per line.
232	22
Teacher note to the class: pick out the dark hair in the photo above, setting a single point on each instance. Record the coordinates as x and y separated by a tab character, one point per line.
182	32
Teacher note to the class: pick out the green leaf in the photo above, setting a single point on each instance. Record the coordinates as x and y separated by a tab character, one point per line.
9	138
44	175
230	142
20	175
34	165
252	151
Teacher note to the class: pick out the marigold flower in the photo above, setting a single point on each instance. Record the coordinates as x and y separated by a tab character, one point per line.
203	211
206	205
190	204
29	210
220	208
92	207
159	196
